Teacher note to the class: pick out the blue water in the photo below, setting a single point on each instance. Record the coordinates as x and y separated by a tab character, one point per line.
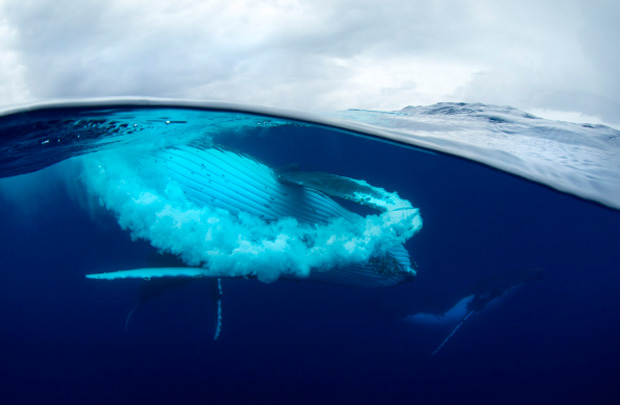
64	336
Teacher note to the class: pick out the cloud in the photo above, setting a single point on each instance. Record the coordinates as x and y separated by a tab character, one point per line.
319	55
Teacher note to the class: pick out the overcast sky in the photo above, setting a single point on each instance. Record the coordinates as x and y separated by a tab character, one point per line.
558	59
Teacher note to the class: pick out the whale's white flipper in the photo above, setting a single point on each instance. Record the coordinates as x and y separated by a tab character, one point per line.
470	313
149	273
217	297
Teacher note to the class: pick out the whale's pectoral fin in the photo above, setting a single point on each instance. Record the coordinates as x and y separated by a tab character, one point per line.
155	272
452	333
358	191
215	286
130	316
216	293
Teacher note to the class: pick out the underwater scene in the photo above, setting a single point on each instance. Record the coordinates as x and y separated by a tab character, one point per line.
161	250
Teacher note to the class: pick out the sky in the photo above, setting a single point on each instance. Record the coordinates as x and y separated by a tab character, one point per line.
555	59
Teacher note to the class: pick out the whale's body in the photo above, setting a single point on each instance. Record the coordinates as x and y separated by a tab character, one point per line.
248	221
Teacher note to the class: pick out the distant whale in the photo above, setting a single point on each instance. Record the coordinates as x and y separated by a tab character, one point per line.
483	294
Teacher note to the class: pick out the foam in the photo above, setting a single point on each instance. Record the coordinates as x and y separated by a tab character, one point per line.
227	226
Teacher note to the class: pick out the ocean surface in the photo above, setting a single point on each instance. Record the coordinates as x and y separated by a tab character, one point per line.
498	191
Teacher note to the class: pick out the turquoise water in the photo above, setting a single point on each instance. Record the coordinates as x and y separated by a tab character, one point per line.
319	282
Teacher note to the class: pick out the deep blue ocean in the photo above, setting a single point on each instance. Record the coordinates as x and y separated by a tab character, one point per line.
64	338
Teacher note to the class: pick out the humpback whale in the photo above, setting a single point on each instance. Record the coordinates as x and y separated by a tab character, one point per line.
477	298
225	214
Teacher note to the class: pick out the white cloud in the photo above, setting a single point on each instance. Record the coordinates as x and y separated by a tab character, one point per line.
322	55
13	87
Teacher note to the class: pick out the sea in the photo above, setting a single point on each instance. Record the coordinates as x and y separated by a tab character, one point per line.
499	191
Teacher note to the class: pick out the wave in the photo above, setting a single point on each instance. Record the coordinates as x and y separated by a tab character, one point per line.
578	159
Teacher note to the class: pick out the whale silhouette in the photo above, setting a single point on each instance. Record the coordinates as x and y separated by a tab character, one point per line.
478	298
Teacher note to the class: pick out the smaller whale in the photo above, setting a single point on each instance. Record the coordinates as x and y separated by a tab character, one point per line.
478	298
